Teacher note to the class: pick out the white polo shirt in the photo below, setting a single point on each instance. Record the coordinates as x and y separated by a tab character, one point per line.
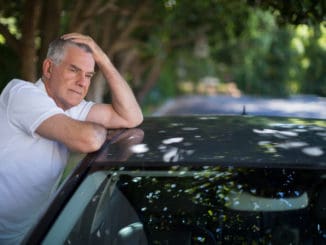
30	165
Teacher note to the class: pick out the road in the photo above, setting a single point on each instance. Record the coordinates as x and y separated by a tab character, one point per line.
306	106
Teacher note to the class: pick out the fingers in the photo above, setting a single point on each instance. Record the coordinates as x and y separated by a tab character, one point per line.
78	38
98	53
75	36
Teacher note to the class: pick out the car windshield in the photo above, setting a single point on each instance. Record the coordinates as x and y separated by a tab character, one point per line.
194	205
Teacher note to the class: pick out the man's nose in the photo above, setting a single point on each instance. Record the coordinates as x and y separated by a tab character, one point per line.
82	80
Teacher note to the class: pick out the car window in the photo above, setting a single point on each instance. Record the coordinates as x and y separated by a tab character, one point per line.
98	213
74	209
207	205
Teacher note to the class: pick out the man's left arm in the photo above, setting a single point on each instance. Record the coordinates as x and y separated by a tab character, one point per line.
124	112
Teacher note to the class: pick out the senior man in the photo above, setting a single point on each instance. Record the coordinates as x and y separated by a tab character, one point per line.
40	122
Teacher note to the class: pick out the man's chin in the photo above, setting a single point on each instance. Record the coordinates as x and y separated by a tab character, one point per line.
72	104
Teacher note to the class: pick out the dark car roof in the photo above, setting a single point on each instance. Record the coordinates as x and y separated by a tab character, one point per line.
221	140
163	143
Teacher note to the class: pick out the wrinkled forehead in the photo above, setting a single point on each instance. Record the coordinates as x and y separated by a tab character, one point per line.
76	56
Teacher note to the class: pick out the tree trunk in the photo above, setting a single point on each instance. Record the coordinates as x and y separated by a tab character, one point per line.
29	32
49	27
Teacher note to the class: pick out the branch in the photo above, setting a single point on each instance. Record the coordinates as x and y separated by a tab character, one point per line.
120	42
151	79
112	8
122	45
82	15
75	17
135	20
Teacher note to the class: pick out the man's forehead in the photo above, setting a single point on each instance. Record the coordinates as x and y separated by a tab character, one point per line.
92	72
79	58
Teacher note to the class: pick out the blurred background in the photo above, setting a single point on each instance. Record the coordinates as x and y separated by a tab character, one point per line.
184	57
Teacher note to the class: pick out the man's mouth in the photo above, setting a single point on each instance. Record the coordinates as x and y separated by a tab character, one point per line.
76	92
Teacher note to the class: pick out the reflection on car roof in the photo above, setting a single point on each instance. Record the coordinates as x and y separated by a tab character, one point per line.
221	140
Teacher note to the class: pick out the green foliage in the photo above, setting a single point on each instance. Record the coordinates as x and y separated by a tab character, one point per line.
264	60
247	44
264	57
314	79
294	11
166	88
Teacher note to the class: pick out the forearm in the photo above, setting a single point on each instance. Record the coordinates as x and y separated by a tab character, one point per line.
123	100
76	135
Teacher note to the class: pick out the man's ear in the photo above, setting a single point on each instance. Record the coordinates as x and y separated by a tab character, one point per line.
47	68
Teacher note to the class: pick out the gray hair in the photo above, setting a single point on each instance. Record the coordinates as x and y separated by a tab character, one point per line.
56	50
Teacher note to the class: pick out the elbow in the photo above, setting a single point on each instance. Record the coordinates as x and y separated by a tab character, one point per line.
136	121
92	139
90	146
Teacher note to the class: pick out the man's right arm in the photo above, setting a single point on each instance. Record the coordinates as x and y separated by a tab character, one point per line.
81	136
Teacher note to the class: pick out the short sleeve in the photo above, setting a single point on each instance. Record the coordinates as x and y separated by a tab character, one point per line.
80	111
28	106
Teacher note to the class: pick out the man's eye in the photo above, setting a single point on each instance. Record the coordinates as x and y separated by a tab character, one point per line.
74	70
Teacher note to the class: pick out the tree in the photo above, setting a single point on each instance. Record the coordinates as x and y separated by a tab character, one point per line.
122	29
137	41
294	11
24	40
139	36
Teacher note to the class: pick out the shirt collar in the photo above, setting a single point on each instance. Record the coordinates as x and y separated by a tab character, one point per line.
40	84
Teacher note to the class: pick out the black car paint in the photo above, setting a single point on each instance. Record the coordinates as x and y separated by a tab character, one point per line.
225	141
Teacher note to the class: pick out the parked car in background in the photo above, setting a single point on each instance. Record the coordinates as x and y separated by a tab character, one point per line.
196	180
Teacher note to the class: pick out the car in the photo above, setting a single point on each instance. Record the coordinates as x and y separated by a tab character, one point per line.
205	179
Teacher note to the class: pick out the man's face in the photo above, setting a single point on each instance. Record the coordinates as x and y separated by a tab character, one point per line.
68	82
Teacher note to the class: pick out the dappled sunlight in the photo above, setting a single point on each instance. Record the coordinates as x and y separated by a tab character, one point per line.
313	151
172	140
293	144
174	154
277	133
236	140
210	202
139	148
171	155
289	137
